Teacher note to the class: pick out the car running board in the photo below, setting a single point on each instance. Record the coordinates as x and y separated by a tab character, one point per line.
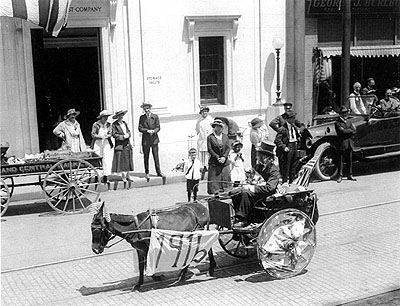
385	155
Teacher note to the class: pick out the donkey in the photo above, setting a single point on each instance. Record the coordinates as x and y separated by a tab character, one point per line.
185	217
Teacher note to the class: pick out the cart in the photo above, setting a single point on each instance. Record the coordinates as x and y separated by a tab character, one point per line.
282	235
70	181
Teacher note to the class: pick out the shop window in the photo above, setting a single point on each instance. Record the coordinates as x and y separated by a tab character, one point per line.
329	32
372	32
211	53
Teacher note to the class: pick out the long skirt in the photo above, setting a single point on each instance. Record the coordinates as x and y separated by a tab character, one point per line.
123	160
103	149
219	178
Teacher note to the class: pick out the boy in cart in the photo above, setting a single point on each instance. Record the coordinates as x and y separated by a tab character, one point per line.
192	170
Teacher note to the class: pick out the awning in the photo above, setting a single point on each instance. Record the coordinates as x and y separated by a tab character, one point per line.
363	51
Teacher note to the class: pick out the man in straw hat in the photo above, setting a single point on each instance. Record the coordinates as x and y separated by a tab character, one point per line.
245	200
280	120
149	126
286	142
70	132
203	129
345	131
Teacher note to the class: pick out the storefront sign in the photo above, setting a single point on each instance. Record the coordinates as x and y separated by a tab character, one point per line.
320	7
89	8
154	79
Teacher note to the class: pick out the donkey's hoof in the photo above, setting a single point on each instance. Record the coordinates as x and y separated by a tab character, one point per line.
136	288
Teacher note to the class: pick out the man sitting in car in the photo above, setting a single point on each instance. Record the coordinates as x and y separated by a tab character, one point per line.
389	105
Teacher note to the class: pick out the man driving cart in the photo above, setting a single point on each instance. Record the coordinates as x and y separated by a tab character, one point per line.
244	198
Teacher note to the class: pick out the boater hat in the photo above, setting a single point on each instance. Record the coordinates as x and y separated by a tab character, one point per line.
117	114
104	113
70	112
146	104
192	150
217	122
266	147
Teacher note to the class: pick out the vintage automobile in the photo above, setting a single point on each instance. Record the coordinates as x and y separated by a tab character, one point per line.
377	137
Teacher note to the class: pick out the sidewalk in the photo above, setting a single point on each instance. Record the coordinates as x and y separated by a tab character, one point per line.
354	259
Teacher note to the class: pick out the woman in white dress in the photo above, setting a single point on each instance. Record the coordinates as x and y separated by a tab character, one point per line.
102	143
203	129
70	132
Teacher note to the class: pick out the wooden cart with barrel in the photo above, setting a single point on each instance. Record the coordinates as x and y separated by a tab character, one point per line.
70	181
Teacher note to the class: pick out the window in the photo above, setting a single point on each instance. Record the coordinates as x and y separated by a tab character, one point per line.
211	53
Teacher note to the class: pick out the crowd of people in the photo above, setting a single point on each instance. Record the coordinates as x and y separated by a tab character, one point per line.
112	141
362	101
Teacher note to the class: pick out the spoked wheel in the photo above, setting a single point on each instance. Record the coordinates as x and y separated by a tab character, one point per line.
327	165
10	183
237	244
286	243
71	185
4	196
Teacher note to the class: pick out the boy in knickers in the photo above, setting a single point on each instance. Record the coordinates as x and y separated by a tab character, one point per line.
192	173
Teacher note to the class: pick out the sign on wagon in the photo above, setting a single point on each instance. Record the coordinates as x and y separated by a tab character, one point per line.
172	250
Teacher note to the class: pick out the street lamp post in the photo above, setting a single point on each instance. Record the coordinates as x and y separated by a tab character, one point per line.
277	43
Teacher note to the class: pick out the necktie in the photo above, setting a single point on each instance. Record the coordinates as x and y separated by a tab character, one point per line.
192	170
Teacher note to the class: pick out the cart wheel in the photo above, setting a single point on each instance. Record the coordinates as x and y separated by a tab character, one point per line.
10	183
4	196
71	185
237	244
286	243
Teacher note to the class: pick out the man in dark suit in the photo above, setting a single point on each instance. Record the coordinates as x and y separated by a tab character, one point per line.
280	120
246	198
345	131
286	141
149	125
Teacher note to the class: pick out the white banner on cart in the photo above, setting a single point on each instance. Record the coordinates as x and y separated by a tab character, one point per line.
173	250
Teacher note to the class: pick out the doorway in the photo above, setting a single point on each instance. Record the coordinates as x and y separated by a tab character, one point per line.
67	74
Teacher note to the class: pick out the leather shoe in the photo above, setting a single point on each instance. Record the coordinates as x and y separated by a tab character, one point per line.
147	177
339	179
351	178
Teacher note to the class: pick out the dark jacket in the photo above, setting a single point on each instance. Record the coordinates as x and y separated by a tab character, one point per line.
95	133
118	134
280	120
345	130
216	150
271	176
282	138
151	123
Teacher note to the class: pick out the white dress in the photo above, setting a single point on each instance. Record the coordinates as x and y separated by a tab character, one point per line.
102	148
237	167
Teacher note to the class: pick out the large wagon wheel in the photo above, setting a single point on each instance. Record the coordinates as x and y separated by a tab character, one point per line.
71	185
236	243
10	183
4	196
286	243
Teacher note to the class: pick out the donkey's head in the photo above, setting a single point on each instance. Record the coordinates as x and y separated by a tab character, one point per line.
100	232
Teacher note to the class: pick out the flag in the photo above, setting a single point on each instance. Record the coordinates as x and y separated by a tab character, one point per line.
49	14
303	177
174	250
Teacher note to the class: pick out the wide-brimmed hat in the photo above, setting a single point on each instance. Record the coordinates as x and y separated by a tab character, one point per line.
217	122
104	113
70	112
266	147
256	123
290	114
119	113
237	143
204	108
343	109
146	104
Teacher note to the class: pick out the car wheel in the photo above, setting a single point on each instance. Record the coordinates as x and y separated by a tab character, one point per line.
327	165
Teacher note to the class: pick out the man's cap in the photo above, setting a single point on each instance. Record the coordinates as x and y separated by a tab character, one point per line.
237	143
287	104
256	123
343	109
370	79
192	150
146	104
266	148
217	122
119	113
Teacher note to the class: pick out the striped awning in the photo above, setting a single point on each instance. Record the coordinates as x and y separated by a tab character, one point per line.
363	51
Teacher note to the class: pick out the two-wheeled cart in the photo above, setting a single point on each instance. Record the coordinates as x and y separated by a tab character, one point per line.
283	234
70	181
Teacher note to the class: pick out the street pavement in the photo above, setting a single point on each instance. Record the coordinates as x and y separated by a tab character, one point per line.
356	256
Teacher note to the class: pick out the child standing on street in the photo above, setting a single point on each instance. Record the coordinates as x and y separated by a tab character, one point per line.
237	164
192	173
